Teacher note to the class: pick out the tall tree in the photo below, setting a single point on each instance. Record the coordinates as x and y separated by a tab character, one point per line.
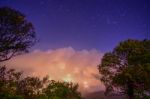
127	68
17	35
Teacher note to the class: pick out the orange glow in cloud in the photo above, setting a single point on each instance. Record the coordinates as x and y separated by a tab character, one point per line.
63	64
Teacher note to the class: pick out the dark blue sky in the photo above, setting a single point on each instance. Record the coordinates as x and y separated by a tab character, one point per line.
85	24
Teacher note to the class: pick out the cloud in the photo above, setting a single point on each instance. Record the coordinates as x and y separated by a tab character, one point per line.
63	64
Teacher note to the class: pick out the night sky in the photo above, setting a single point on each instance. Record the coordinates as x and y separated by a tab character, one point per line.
85	24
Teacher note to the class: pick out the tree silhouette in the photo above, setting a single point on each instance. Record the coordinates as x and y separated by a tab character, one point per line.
9	79
17	35
127	68
14	86
29	87
62	90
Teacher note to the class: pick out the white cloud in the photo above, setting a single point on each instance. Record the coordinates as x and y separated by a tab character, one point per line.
63	64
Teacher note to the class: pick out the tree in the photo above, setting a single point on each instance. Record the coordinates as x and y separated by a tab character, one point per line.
29	87
9	79
127	68
61	90
17	35
14	86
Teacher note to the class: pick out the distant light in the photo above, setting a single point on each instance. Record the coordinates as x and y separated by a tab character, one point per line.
85	84
68	78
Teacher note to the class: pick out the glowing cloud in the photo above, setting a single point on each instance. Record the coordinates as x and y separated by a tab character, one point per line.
63	64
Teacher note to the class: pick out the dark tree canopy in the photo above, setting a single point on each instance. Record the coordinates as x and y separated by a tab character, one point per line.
62	90
17	35
127	68
14	86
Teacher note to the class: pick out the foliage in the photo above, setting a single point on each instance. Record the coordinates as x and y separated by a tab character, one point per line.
14	86
17	35
8	82
59	90
30	87
127	68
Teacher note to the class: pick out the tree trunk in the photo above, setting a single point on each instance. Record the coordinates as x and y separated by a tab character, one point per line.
130	90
